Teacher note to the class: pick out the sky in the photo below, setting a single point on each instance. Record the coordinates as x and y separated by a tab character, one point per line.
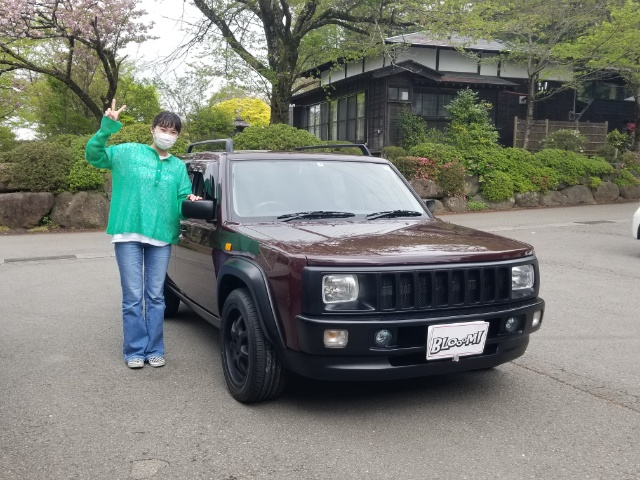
168	16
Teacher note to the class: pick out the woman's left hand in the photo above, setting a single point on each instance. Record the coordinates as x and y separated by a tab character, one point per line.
193	198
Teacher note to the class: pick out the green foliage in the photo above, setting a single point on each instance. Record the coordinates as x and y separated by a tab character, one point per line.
439	152
631	162
608	152
393	153
7	139
625	178
274	137
525	171
570	140
83	175
451	178
470	122
407	166
474	206
497	188
41	167
141	99
571	167
252	110
57	110
619	140
594	182
413	129
209	123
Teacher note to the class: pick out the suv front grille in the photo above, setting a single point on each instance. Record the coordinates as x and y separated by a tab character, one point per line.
443	288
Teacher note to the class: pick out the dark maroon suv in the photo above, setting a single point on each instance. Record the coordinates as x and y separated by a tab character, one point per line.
331	266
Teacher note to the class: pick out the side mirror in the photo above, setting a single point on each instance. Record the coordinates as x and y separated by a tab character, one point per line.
202	209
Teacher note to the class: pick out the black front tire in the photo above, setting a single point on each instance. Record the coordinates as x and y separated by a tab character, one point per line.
251	365
171	302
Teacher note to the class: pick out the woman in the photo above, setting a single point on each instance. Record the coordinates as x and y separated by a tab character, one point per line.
149	186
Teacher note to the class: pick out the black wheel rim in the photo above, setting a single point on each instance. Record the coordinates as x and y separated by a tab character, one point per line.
237	350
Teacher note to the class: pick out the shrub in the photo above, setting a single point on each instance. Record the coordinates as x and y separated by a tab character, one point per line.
450	177
413	129
274	137
571	167
439	152
526	172
630	160
608	152
625	178
406	166
497	188
474	206
41	167
7	139
594	182
570	140
392	153
470	121
619	140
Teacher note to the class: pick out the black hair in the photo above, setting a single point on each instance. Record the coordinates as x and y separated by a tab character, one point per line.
167	120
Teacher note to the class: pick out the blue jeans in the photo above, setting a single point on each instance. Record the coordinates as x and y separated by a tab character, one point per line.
143	268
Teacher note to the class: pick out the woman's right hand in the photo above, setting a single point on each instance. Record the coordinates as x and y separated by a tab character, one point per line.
112	113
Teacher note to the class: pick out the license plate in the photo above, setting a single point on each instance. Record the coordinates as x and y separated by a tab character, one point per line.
456	339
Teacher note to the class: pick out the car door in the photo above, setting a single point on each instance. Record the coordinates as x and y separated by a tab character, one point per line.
192	268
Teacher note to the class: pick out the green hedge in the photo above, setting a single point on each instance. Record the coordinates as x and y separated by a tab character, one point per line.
572	167
498	188
41	167
274	137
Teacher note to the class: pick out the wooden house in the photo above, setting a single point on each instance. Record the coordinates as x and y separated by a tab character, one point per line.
360	101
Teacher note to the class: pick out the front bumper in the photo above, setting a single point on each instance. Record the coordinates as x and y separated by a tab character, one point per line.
406	358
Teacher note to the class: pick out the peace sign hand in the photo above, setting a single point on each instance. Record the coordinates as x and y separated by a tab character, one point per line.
112	113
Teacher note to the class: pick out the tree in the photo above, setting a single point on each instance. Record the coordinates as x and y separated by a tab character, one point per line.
53	107
65	39
291	31
252	110
532	31
612	46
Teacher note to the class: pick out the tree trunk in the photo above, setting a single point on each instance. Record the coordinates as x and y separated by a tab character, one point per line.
531	97
280	100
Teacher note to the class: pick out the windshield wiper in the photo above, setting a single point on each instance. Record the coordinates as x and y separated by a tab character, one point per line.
315	214
394	213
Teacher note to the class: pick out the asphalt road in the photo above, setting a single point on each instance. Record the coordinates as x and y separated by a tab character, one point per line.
568	409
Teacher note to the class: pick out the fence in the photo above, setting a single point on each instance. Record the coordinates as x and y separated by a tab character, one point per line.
595	133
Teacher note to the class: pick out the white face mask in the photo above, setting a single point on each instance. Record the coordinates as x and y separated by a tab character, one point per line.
164	141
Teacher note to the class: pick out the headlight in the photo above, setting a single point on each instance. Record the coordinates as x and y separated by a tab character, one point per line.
522	277
339	288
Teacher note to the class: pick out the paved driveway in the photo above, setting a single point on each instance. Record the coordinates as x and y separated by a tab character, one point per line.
70	408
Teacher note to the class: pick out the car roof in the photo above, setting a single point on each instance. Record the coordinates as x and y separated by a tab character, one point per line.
240	155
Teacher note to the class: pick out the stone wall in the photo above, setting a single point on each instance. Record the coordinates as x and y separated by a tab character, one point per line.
90	210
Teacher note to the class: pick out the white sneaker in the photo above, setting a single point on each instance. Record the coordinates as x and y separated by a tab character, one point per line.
135	363
156	361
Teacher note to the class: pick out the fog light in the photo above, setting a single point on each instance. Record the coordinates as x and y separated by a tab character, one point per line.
537	318
336	338
512	324
383	337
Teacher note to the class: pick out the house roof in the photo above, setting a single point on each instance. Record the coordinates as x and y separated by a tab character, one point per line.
454	41
439	76
423	72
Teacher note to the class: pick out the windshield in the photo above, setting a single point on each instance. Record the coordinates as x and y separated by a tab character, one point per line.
328	189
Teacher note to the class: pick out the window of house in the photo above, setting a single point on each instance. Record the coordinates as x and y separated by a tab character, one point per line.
431	104
347	119
317	120
341	119
398	94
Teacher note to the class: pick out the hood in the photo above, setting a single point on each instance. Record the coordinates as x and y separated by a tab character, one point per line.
385	242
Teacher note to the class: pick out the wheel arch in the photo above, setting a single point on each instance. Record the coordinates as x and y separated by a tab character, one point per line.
243	273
